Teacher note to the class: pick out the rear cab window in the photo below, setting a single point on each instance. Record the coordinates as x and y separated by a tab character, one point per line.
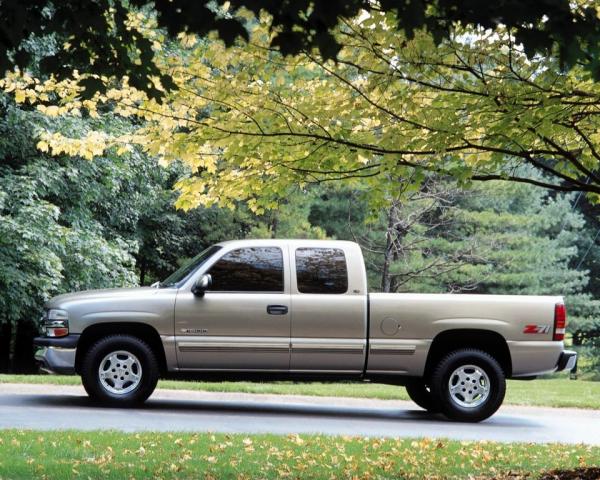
321	270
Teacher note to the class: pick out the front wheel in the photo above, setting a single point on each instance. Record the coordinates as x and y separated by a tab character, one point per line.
469	385
120	370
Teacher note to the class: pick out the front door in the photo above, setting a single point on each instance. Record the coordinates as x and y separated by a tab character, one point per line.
243	321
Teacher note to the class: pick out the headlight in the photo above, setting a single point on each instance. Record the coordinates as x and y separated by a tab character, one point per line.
56	314
57	323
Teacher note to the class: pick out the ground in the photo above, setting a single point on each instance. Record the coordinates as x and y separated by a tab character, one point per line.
422	452
551	392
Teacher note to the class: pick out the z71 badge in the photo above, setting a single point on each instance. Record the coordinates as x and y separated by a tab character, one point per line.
536	329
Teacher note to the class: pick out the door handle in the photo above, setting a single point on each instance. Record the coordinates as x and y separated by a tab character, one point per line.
277	309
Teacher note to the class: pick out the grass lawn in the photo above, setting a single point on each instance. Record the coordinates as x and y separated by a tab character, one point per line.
112	455
554	392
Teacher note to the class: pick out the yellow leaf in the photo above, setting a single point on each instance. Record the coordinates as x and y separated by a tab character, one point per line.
19	96
363	159
52	111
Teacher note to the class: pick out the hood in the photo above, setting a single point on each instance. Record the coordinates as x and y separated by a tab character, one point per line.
107	295
153	306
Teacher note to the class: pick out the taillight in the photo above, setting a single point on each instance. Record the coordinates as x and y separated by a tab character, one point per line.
560	322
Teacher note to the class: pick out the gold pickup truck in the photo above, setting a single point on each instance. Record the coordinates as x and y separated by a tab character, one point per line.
300	310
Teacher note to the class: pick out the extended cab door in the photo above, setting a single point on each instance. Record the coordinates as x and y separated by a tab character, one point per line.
243	321
329	307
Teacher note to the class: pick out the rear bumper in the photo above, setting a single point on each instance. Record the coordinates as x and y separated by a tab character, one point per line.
56	355
566	361
535	358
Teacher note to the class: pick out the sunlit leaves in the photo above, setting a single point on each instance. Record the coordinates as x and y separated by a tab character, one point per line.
253	125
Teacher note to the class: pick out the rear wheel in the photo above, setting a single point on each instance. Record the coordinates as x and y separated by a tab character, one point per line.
120	370
420	393
469	385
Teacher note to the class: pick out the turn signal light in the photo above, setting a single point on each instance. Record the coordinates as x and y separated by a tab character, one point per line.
57	332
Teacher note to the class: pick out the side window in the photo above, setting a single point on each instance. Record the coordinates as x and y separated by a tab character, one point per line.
321	270
255	269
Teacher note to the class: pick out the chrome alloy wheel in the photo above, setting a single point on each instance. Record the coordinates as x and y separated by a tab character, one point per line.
120	372
469	386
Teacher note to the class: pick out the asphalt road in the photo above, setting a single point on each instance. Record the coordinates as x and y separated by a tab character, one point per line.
48	407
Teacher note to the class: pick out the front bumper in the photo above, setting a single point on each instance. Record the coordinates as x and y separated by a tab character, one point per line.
567	361
56	355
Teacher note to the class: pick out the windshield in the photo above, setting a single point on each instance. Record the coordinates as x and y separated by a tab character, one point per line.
184	272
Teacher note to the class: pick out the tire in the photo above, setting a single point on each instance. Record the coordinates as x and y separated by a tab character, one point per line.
469	385
119	370
421	395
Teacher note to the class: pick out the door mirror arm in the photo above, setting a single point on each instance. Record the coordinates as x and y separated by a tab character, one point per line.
202	285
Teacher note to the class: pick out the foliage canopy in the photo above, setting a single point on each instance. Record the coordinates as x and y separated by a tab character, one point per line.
99	35
254	124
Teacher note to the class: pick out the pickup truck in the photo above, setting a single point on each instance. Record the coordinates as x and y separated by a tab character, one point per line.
299	310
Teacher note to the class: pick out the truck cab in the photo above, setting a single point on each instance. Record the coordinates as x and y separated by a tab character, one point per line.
266	306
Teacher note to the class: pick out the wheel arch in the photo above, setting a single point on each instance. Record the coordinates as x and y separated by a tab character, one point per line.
143	331
488	341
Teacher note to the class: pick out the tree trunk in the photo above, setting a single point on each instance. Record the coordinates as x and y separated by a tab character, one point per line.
142	272
388	253
5	335
23	360
389	283
274	224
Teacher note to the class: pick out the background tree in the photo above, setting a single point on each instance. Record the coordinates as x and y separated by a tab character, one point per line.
498	239
55	233
396	240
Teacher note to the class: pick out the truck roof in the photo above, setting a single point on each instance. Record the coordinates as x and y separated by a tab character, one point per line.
285	241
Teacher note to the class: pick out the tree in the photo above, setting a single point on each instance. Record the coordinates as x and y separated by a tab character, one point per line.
585	328
54	235
252	123
254	128
525	238
503	238
69	224
104	35
396	240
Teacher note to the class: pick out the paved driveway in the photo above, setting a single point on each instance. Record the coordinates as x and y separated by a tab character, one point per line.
48	407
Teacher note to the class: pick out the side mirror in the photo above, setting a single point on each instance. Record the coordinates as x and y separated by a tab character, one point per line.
202	285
